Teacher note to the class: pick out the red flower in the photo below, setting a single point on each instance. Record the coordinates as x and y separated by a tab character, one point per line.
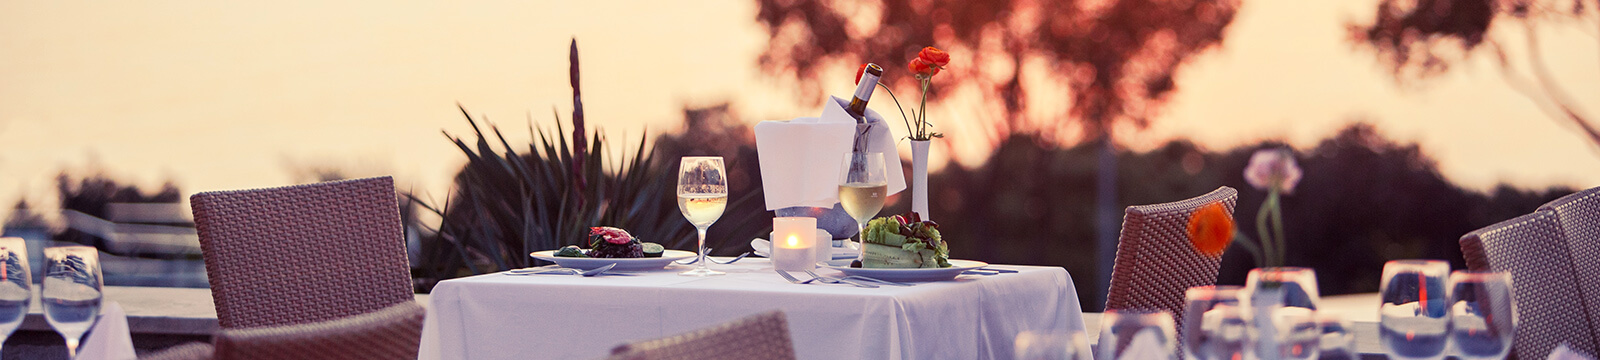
859	71
921	68
1211	229
933	55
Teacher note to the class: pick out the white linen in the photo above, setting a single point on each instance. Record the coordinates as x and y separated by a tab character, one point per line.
498	316
800	158
109	339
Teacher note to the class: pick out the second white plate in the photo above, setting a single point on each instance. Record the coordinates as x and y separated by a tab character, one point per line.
918	274
623	264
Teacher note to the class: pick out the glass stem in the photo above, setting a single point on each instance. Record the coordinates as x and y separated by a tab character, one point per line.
72	347
861	244
700	263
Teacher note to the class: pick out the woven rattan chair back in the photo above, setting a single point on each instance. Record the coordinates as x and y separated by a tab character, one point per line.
763	336
394	332
1550	307
304	253
1156	262
1579	214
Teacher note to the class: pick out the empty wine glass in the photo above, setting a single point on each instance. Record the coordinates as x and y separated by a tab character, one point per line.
1052	346
1413	320
71	292
1136	334
1213	324
702	197
863	186
1483	314
1338	338
1281	304
15	285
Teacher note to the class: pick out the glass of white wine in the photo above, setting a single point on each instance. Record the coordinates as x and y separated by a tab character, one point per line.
702	197
863	186
71	291
15	285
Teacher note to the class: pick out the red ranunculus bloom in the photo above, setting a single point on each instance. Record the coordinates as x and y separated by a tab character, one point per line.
859	71
933	55
1211	229
921	68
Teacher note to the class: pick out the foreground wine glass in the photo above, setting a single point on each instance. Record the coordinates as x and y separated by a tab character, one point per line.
702	197
1282	305
1213	323
70	292
863	185
15	285
1052	346
1413	320
1136	334
1338	338
1483	314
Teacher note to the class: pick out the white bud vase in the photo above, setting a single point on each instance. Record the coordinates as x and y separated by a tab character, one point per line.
919	178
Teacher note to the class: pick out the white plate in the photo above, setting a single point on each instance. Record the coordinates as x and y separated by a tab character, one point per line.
623	264
918	274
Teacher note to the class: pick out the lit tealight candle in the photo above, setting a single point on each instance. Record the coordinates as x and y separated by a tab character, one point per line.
793	243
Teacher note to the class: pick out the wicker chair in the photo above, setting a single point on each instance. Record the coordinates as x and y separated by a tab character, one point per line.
1579	214
1156	263
763	336
391	333
303	254
189	351
1550	306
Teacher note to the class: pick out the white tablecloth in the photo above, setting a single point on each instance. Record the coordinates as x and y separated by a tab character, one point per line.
499	316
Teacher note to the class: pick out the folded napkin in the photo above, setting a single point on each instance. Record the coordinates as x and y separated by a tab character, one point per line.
763	248
109	339
1562	352
800	158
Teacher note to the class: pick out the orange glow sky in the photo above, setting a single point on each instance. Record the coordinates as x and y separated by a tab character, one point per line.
237	95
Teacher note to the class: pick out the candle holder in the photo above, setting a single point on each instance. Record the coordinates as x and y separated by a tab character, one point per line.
794	242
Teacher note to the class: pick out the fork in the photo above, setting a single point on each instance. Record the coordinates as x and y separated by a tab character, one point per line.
569	271
829	280
876	280
791	278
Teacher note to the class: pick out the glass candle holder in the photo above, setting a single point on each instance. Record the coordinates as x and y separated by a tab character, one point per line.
794	243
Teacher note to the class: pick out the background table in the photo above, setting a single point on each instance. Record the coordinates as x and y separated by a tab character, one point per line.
499	316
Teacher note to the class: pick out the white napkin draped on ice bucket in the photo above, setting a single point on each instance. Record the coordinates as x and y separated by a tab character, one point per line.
800	158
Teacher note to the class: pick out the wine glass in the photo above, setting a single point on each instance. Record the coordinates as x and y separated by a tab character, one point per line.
1136	334
1483	314
863	185
1413	320
702	197
1032	345
1282	305
15	285
1338	338
1213	323
70	292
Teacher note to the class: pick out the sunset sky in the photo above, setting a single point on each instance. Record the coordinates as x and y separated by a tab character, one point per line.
237	95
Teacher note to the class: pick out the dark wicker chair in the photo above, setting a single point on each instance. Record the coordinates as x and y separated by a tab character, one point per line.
1579	214
391	333
303	254
1550	301
763	336
1156	263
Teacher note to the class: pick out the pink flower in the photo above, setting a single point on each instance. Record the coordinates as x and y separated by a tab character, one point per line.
1273	168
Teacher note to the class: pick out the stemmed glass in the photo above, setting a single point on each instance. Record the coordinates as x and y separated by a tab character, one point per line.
15	285
1213	323
71	291
863	185
1413	320
1282	303
702	197
1136	334
1483	314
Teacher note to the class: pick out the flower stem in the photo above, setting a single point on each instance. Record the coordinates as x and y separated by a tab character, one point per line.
1261	230
1255	251
922	110
1277	225
909	131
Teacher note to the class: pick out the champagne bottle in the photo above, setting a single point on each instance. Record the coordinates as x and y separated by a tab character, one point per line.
869	82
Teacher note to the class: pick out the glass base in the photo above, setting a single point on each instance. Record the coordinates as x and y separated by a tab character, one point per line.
702	272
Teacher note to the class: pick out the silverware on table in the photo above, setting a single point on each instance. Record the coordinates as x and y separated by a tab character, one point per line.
877	280
566	271
829	280
791	278
708	258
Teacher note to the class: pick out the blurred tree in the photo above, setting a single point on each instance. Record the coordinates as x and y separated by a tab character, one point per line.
1420	39
1116	58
